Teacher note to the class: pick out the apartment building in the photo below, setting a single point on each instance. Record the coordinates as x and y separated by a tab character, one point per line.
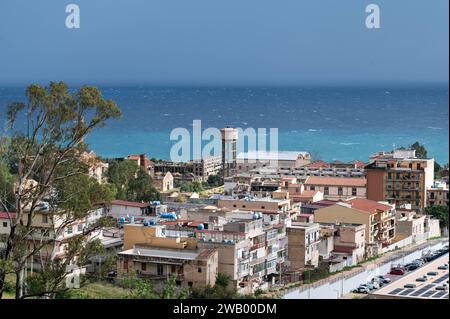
438	194
157	253
207	166
349	241
250	203
247	161
400	178
5	227
378	218
96	168
337	188
303	245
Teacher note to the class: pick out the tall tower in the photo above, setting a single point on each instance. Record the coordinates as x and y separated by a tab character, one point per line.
229	141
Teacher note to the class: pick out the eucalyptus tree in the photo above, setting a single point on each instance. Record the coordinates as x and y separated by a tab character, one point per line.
42	145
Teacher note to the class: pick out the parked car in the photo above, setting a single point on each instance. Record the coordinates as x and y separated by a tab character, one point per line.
422	279
443	287
412	266
443	267
383	279
398	271
361	290
432	273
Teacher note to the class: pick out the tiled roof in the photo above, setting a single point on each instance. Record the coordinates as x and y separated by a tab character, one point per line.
335	181
318	164
4	215
368	205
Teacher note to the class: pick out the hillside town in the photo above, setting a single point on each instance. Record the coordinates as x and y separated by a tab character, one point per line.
263	224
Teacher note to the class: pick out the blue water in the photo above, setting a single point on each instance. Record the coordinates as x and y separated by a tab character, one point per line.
343	124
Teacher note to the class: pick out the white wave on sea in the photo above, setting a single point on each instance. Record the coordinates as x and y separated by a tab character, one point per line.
435	128
348	144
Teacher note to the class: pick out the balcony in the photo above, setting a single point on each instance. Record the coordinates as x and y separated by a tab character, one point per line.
257	246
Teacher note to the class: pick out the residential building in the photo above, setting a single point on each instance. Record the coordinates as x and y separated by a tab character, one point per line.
337	188
400	178
438	194
411	224
207	166
191	267
247	161
96	168
378	218
303	245
251	203
121	208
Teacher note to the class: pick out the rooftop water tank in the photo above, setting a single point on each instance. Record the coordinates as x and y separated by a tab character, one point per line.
121	219
201	227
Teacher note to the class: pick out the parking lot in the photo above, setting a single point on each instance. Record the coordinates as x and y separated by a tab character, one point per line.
425	277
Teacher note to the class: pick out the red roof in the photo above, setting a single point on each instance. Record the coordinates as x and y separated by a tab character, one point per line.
318	164
335	181
4	215
368	205
359	164
127	203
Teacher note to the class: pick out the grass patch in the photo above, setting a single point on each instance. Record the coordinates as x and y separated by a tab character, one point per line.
98	290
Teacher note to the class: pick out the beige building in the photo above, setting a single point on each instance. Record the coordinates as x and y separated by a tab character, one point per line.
438	194
337	188
378	218
303	245
207	166
267	204
279	160
163	182
96	168
192	268
400	178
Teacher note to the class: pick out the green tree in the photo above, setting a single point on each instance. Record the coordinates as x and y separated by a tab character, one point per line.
421	151
121	174
141	188
7	181
131	181
215	180
47	150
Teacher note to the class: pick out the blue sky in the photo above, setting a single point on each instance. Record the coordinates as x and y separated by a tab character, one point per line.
224	42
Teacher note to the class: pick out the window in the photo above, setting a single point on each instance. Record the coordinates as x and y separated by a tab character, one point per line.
340	192
143	266
353	191
80	227
326	190
69	230
313	188
5	224
418	166
44	219
263	207
125	265
199	269
159	269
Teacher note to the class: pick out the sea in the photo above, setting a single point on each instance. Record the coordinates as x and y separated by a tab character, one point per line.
332	123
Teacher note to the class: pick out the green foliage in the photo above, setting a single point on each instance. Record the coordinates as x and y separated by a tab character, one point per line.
315	274
131	181
223	280
421	151
47	150
215	180
6	188
440	212
140	288
190	187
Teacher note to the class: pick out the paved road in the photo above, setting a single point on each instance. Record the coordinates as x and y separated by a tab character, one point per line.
341	284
